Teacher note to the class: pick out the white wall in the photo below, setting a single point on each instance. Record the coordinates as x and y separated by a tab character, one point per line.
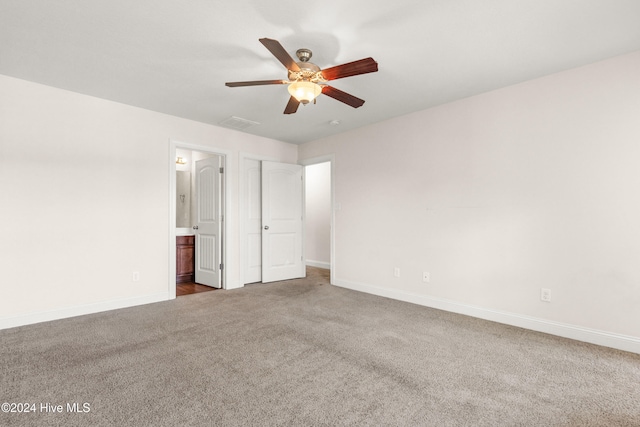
85	200
318	214
499	195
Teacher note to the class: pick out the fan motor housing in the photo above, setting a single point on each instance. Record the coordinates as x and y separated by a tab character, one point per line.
308	72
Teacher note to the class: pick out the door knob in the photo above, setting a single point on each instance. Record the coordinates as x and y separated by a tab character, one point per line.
266	227
195	227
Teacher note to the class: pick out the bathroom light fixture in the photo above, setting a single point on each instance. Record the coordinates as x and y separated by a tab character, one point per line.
181	161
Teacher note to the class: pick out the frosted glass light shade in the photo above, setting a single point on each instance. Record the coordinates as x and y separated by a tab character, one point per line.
304	92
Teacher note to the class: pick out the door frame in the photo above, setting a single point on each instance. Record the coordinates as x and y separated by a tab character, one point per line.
225	154
330	158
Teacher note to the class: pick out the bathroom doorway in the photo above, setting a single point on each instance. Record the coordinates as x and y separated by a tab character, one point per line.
197	229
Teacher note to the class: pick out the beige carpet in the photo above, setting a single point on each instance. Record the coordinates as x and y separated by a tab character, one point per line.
306	353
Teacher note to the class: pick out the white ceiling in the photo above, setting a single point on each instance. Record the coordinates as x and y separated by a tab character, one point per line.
174	56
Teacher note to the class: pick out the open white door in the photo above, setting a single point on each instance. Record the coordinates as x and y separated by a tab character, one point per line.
208	226
282	224
252	219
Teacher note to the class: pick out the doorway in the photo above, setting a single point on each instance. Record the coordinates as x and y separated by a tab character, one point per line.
271	221
318	215
322	205
251	221
197	211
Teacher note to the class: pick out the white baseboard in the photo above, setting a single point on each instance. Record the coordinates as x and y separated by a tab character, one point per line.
606	339
319	264
45	316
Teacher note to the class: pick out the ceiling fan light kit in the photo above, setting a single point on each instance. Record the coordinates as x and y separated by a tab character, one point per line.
304	91
307	81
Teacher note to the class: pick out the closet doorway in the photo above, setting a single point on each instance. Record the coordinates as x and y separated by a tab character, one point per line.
253	223
318	215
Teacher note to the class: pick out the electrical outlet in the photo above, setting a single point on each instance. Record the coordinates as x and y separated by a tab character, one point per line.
396	272
426	276
545	295
136	276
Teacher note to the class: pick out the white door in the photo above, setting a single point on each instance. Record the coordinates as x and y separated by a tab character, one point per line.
208	226
282	242
252	217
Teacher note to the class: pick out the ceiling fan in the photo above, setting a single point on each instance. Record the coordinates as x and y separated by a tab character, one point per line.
306	80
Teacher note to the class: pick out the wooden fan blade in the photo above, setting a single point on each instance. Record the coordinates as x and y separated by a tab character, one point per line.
278	51
342	96
292	106
363	66
256	83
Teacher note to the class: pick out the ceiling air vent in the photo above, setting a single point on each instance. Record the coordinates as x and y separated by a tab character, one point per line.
238	123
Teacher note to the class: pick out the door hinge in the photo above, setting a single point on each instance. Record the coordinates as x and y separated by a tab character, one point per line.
221	170
221	266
